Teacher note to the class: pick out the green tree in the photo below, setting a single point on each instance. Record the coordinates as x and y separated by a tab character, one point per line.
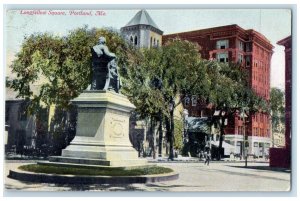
178	132
230	93
277	106
61	67
158	75
64	63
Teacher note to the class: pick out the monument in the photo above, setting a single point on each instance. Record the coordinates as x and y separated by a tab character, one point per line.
102	134
101	146
102	141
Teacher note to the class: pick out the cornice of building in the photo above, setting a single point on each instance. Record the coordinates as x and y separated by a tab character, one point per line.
286	41
140	26
260	39
245	35
204	31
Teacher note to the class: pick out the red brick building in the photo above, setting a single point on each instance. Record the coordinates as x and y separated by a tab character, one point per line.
282	157
287	43
253	51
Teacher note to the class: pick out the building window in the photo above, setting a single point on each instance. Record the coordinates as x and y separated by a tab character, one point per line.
222	57
186	101
131	39
241	45
157	43
154	42
248	47
248	62
222	44
194	100
135	41
240	58
151	42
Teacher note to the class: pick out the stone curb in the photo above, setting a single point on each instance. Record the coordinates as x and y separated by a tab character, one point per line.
75	179
195	161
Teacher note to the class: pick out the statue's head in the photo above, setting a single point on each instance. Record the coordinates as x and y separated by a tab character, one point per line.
102	40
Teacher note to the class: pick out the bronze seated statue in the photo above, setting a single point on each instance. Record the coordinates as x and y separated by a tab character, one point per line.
105	74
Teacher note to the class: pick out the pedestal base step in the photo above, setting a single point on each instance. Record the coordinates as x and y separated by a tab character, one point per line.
85	162
82	179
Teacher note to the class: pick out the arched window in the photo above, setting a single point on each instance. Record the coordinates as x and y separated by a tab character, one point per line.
154	43
131	39
151	42
135	41
157	43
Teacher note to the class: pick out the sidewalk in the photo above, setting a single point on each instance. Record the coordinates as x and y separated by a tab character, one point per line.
193	177
197	160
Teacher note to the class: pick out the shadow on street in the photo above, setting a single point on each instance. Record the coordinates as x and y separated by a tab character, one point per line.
264	168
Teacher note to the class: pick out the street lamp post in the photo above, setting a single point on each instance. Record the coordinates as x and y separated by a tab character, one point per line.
185	124
243	115
185	138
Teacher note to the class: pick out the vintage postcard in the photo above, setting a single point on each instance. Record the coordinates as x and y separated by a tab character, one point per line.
144	99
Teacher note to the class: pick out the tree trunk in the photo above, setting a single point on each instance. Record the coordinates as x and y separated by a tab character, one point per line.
160	135
153	133
222	127
168	134
171	154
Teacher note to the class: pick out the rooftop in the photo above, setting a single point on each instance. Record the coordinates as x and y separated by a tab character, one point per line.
285	40
211	30
142	17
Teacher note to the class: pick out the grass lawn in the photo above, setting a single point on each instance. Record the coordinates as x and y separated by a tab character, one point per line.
96	171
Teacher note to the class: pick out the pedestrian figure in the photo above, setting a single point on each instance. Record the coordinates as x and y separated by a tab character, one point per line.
201	155
207	157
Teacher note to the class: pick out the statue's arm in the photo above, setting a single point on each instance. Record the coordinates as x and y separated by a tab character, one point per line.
97	50
107	52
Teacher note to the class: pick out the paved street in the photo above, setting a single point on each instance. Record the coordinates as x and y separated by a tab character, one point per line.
218	176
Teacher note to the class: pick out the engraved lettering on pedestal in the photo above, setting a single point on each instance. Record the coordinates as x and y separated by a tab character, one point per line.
117	127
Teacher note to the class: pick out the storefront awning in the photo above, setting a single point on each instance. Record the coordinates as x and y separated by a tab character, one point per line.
224	144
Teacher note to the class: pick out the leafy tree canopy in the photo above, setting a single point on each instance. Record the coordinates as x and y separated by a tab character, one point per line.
277	100
157	75
230	90
178	131
277	106
61	66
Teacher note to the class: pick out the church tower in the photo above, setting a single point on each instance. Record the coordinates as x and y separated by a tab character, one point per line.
142	32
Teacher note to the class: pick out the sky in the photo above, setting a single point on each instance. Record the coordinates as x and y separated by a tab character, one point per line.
275	24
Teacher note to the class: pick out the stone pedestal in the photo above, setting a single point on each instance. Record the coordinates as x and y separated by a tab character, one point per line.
102	135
